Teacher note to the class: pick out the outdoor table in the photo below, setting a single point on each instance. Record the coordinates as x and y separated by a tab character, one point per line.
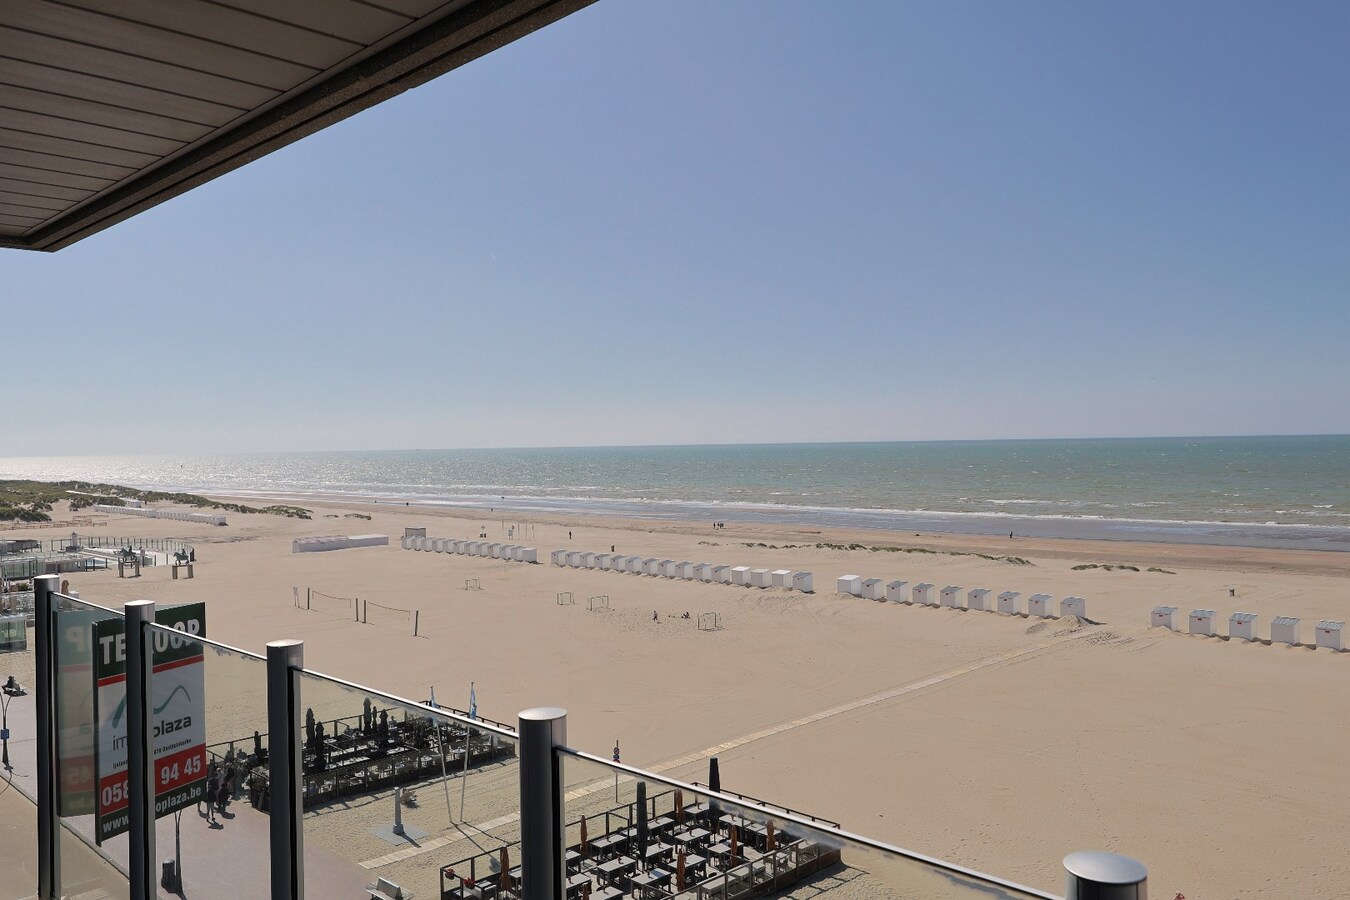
721	850
615	868
653	879
661	823
606	893
656	852
697	809
470	893
604	843
694	864
576	884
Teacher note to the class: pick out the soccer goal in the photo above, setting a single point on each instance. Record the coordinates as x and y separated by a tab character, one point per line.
329	605
710	621
565	598
471	584
392	617
597	601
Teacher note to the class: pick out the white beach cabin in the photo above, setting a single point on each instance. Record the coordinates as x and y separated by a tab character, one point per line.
740	575
529	554
686	570
874	589
587	560
1073	606
722	574
804	582
1038	606
978	598
1007	602
1202	622
651	566
1329	634
950	596
635	564
667	569
1163	617
574	559
1242	626
558	557
781	578
897	591
461	547
703	572
849	584
1284	630
923	594
761	578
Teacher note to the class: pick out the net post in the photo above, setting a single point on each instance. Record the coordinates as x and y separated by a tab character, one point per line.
417	616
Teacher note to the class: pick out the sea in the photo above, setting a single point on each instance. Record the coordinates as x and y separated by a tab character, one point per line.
1286	491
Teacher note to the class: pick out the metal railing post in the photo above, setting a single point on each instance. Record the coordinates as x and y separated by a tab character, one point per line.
1097	875
140	751
285	775
48	836
542	871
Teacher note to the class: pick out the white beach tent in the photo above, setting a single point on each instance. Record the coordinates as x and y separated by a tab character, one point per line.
950	596
1242	626
1163	617
1073	606
849	584
1329	634
1284	630
1202	622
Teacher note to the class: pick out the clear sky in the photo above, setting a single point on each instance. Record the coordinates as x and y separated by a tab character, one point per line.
687	222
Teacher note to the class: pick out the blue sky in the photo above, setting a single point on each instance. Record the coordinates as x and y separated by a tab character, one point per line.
688	222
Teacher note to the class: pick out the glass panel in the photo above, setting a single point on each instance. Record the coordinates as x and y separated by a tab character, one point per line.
209	709
652	838
18	809
361	747
84	866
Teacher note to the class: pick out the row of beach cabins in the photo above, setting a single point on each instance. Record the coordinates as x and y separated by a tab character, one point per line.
711	573
148	513
488	549
1008	602
1242	627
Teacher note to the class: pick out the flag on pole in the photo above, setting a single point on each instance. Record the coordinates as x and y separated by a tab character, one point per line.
473	702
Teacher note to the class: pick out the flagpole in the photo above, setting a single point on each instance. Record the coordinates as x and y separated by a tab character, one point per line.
468	734
445	773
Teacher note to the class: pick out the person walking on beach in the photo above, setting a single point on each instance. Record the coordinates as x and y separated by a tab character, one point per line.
211	799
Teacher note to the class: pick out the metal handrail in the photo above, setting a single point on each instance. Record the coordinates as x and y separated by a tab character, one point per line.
840	834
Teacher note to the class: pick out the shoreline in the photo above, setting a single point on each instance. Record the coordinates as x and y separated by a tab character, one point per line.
1083	550
962	526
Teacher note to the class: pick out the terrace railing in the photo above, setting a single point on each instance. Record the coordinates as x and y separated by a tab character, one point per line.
132	708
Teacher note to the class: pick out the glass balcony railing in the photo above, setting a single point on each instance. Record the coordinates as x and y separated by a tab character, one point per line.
397	789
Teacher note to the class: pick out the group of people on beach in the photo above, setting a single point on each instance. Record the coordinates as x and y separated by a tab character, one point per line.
718	526
219	790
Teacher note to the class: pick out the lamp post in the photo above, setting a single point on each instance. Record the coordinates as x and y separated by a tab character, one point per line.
4	732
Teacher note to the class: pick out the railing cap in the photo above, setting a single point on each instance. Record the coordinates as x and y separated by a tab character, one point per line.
1105	868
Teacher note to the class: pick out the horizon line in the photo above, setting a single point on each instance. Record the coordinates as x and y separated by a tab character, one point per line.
662	446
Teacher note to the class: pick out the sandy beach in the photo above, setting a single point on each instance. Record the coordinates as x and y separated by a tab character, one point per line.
1000	743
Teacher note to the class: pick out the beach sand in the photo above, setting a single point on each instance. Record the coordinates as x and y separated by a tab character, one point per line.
999	743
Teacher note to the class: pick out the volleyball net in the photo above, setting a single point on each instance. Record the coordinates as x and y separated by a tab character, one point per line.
393	617
329	604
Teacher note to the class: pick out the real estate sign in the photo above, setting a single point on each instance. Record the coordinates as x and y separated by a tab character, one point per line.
177	714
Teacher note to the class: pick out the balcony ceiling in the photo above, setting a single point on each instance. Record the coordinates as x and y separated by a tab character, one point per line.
109	107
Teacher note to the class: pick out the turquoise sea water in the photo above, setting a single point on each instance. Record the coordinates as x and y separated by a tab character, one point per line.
1282	491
